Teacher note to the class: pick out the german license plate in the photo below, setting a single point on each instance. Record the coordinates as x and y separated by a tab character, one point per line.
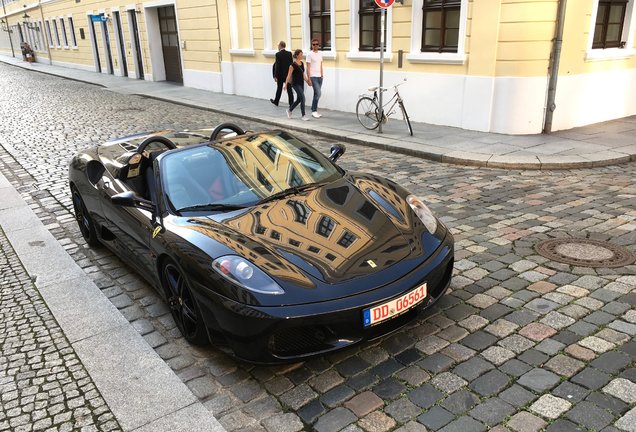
394	307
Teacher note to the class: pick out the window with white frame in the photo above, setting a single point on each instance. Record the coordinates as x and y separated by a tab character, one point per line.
48	33
57	33
320	22
71	31
440	25
275	25
612	28
609	24
241	39
365	30
438	32
63	31
41	37
369	26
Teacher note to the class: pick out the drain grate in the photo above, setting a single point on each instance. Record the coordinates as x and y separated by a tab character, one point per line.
585	252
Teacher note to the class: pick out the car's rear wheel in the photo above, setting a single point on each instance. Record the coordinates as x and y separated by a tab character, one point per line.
184	308
84	221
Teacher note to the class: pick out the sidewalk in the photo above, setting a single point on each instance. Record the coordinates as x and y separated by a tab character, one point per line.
600	144
85	366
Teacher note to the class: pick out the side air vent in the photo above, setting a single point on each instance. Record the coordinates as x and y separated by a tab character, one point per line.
128	146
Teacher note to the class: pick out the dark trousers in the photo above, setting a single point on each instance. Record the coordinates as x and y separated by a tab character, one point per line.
279	91
300	98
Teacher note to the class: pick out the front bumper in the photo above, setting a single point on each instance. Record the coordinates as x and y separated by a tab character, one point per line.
290	333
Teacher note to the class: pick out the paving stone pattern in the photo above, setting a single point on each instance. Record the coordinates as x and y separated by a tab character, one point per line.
520	342
43	384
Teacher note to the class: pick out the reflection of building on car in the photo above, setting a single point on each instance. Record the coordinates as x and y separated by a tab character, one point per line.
260	243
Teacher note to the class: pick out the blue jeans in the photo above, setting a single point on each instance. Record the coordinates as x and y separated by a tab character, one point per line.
300	98
316	83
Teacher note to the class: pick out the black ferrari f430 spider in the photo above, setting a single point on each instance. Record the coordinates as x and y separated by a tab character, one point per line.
258	242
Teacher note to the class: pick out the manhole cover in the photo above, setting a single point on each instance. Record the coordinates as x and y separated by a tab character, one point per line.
585	252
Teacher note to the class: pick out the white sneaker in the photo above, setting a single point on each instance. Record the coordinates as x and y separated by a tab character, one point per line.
305	118
288	113
315	114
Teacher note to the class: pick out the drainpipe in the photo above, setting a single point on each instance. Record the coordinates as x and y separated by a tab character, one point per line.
555	58
4	8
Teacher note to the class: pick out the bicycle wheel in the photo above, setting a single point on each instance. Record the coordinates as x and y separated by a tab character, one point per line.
367	110
406	118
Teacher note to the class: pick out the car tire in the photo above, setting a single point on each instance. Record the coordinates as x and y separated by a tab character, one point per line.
83	218
182	304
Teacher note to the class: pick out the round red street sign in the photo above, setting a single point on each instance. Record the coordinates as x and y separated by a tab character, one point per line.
384	3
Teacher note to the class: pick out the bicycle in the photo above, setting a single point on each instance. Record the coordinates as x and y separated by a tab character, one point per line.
368	110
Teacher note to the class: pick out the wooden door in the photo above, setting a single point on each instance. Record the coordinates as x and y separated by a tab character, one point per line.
170	44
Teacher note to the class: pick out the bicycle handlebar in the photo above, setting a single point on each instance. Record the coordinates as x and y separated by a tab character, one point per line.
374	88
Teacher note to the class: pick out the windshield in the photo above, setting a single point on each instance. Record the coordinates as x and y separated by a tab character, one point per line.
241	172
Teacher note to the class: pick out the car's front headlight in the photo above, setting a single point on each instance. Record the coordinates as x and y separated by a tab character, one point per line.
242	272
423	212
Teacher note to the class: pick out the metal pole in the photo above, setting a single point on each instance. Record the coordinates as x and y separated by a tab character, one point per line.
382	24
6	18
554	67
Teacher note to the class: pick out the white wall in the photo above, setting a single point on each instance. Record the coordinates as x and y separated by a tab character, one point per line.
591	98
508	105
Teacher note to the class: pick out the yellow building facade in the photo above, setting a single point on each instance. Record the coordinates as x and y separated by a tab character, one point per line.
475	64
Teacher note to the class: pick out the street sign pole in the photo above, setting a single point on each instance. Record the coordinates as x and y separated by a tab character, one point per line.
382	24
384	5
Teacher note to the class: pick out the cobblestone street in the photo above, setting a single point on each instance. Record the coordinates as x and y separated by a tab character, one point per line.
521	343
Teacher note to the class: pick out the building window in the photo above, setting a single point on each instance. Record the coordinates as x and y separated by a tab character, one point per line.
347	239
326	226
71	30
440	26
367	210
320	22
275	24
301	212
294	178
41	37
369	14
57	34
608	29
263	180
313	249
258	228
294	242
63	28
269	149
48	33
241	27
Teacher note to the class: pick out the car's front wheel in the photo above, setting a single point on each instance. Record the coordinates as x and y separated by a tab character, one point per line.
182	304
84	221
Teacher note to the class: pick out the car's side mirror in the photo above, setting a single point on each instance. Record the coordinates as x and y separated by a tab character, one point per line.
132	199
337	150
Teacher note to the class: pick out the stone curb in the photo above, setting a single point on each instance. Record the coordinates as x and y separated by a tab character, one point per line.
141	390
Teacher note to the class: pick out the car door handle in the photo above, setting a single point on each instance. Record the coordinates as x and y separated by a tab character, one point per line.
106	185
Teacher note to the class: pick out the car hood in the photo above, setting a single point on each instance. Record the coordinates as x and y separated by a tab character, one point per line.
342	237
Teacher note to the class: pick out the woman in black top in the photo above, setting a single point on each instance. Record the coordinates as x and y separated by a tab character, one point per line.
296	76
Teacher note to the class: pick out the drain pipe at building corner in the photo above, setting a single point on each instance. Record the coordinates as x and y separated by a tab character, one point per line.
555	58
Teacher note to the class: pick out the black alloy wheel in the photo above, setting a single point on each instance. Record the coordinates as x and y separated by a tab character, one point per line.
182	304
84	221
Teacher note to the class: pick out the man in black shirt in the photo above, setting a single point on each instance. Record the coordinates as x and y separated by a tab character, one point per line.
279	71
